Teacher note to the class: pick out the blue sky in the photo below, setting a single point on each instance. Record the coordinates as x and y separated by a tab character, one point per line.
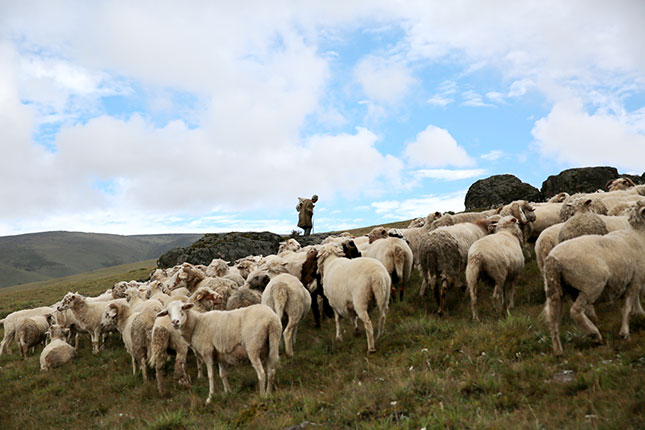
153	117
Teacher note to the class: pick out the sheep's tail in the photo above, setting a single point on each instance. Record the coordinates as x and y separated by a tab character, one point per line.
399	265
158	345
381	287
472	271
552	278
280	298
274	335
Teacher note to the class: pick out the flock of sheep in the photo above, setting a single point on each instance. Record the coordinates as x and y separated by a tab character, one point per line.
587	246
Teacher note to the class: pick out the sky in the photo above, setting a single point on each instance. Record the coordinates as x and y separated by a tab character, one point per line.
145	117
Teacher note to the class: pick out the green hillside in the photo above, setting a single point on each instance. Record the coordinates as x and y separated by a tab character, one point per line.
428	372
41	256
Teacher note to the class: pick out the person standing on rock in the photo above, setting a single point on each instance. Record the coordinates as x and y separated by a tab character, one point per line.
305	210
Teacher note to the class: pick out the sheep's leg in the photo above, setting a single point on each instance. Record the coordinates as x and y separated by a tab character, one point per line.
144	367
200	372
208	359
339	336
293	334
134	365
498	297
180	366
553	311
472	287
591	313
4	343
259	369
223	375
369	330
76	341
510	295
637	308
627	308
381	323
354	319
288	338
442	295
159	365
315	310
577	312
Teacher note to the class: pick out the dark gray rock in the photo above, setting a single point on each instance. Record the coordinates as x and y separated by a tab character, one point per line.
499	190
579	180
231	246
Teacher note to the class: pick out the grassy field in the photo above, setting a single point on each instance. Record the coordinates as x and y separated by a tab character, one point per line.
428	372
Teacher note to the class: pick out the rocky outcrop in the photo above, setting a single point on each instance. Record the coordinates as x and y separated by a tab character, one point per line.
499	190
579	180
230	247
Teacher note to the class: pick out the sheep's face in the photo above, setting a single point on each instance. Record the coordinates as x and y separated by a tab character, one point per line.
110	314
637	215
68	301
209	298
177	312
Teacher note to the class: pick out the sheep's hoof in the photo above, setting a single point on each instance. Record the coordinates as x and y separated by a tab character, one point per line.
625	336
371	351
208	400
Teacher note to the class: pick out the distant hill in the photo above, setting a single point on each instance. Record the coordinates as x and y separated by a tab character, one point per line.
41	256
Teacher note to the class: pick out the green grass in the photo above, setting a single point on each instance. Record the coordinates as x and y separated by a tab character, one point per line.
428	372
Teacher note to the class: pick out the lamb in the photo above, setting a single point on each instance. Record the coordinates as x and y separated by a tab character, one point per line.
31	331
13	320
396	256
289	245
136	331
251	333
286	294
351	285
57	352
444	254
499	256
591	266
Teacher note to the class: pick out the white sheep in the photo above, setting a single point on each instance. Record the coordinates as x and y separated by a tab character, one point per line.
88	314
500	256
32	331
136	330
351	285
619	184
611	265
57	352
397	257
163	338
285	294
546	215
230	337
443	256
14	319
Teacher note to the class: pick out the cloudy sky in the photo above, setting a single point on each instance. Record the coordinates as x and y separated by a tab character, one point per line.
157	116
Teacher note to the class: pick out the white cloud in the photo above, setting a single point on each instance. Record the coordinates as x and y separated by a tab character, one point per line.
494	155
435	147
474	99
495	96
385	80
445	95
420	207
578	138
448	175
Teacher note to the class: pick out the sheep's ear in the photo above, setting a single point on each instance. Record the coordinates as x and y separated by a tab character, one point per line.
162	313
113	310
514	220
588	202
187	306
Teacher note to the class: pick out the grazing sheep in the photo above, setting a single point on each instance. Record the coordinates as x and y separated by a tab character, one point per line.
57	352
230	337
396	256
351	286
591	266
444	254
500	257
285	294
32	331
13	320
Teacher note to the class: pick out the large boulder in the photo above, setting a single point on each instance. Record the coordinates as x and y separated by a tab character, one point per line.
499	190
579	180
230	247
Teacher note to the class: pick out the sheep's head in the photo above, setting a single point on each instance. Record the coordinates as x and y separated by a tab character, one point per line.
637	215
218	267
580	205
377	233
177	312
110	316
523	211
289	245
331	250
309	271
509	223
559	198
208	298
442	221
619	184
350	250
56	331
431	217
68	301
